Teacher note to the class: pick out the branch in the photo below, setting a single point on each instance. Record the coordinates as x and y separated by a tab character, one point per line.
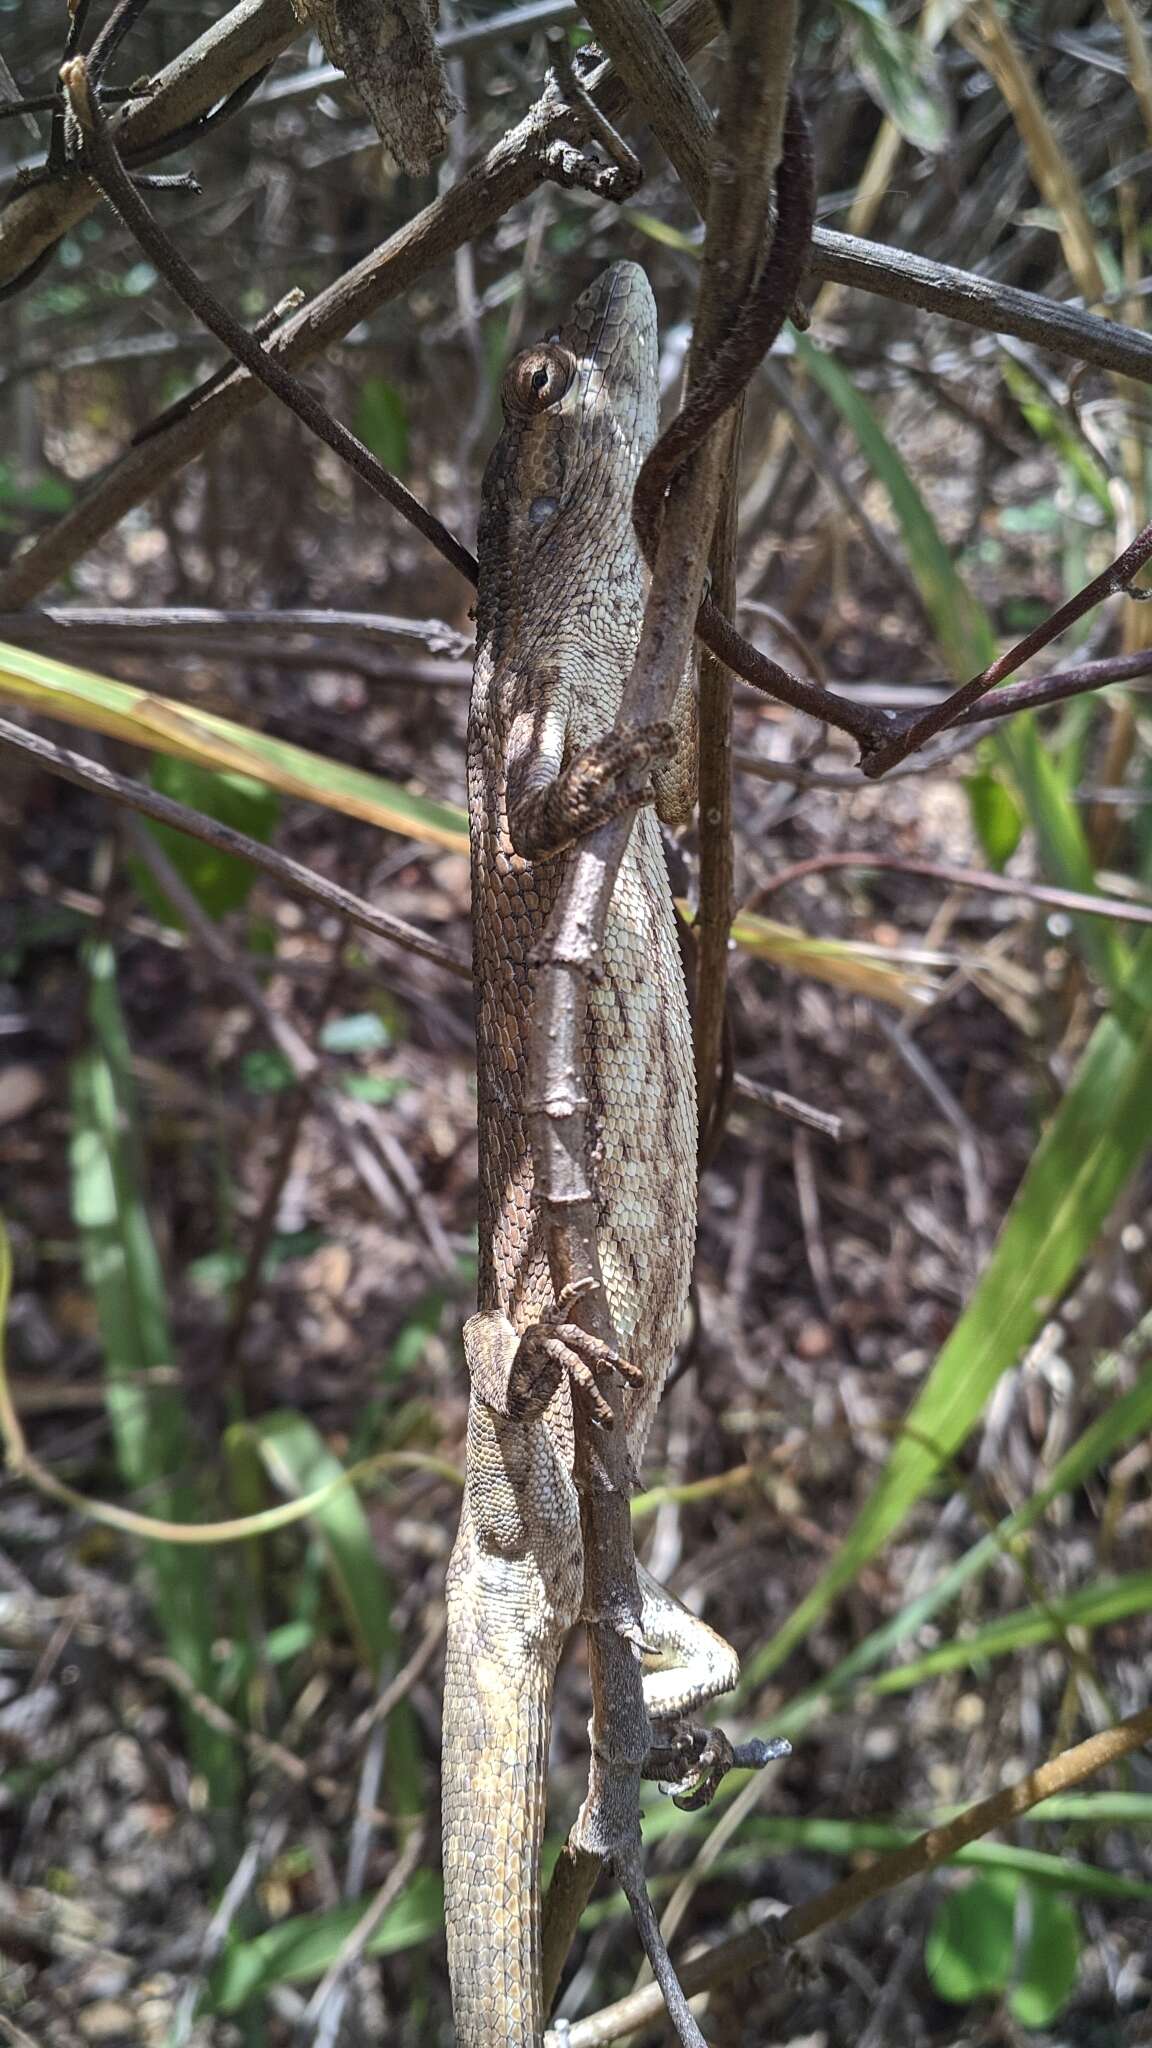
511	170
1073	900
102	159
292	874
736	1958
916	729
184	94
607	1827
238	632
981	302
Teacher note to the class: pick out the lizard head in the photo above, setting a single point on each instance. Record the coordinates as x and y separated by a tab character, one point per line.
580	414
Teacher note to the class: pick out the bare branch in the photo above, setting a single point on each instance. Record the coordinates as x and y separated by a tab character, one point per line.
89	774
244	633
510	171
208	73
101	156
914	731
1074	900
745	1952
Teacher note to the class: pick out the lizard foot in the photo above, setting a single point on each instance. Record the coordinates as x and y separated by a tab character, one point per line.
598	784
554	1349
693	1762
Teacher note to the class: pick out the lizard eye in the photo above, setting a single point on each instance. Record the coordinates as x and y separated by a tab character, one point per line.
537	380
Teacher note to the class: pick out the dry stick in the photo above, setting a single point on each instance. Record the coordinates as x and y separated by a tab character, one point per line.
268	635
89	774
1057	685
222	65
735	1958
104	163
512	169
679	118
205	75
253	33
959	878
350	1126
607	1827
231	629
917	729
1053	688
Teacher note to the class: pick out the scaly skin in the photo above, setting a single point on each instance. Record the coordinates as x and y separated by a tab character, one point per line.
561	599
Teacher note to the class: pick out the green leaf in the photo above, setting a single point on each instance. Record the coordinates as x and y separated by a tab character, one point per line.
297	1458
382	423
81	697
996	815
1050	1962
899	73
373	1087
1093	1145
266	1071
219	881
1093	1607
301	1949
971	1942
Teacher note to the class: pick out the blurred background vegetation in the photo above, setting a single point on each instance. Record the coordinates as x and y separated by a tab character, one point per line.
905	1467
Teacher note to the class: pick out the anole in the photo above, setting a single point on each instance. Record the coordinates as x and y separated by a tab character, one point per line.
561	597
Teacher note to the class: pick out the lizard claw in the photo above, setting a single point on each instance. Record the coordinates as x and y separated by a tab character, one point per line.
554	1350
693	1762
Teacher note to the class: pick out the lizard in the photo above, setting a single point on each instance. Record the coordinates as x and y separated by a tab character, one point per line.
561	595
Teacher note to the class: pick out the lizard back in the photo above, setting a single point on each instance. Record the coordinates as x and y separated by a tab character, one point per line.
560	608
562	586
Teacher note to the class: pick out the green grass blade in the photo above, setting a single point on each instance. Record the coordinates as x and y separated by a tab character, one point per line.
301	1949
1124	1420
825	1835
298	1460
962	626
81	697
155	1449
1095	1141
1092	1607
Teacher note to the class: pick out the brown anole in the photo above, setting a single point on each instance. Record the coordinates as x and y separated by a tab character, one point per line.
561	599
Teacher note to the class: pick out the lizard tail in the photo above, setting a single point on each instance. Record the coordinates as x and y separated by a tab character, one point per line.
497	1715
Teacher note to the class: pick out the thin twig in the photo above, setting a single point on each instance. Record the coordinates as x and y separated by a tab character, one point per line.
225	630
791	1106
1074	900
122	789
103	161
913	732
352	1123
745	1952
189	400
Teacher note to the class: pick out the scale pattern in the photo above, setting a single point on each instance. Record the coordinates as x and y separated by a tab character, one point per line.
561	601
